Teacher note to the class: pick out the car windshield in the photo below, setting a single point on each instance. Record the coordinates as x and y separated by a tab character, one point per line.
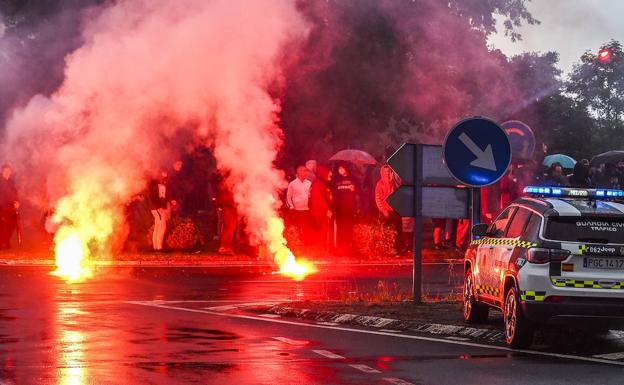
585	229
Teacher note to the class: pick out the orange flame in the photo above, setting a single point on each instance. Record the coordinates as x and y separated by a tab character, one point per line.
71	252
289	265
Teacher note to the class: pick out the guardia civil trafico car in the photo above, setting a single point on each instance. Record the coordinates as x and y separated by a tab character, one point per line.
555	256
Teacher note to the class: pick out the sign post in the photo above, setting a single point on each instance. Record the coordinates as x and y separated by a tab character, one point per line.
428	190
476	153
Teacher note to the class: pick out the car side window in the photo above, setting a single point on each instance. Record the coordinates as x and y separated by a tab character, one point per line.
533	227
518	223
499	225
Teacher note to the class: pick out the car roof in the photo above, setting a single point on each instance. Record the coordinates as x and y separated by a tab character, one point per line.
572	207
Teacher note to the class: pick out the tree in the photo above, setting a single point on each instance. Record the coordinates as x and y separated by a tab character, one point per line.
598	88
375	72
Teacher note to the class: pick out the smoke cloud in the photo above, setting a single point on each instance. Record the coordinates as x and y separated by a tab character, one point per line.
377	73
149	72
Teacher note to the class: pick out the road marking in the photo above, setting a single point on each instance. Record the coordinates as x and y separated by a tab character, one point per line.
390	331
291	342
328	354
364	368
457	338
222	308
270	315
380	333
611	356
397	381
328	323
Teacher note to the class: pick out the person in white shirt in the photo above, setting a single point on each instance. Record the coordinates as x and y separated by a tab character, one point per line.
297	200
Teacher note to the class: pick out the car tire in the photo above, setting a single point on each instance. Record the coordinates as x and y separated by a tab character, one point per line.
474	312
518	330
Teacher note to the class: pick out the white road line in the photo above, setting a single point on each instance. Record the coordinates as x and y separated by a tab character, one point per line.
291	342
328	354
390	330
222	308
397	381
270	315
328	323
380	333
364	368
611	356
457	338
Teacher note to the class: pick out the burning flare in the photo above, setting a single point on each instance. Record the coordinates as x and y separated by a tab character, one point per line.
288	264
71	252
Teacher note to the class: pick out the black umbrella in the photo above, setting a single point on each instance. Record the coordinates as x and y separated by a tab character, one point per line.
607	157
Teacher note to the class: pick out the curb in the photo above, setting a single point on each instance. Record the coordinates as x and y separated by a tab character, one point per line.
448	330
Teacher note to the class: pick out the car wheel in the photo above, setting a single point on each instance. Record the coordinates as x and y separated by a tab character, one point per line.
518	330
474	312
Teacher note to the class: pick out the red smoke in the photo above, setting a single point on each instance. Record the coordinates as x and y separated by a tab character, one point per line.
149	71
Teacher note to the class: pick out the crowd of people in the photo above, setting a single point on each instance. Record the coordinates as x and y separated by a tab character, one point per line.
323	202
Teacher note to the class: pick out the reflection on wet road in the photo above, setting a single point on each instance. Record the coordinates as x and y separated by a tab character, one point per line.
98	332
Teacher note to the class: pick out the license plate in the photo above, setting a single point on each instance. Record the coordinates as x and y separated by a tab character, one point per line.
603	263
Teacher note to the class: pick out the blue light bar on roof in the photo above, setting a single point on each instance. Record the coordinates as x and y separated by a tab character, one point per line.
565	192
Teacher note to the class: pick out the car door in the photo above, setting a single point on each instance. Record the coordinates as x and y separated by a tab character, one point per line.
502	253
485	279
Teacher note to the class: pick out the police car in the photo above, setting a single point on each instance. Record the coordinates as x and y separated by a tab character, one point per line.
555	256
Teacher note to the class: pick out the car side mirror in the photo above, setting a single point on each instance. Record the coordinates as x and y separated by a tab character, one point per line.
480	230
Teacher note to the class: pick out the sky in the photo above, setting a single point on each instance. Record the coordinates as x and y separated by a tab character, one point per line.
569	27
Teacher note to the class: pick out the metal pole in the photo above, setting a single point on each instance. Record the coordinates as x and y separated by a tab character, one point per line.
417	273
475	208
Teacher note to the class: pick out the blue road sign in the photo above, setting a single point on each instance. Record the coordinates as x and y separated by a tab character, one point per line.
521	138
477	152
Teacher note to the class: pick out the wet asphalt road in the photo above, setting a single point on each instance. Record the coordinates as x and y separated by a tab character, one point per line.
158	326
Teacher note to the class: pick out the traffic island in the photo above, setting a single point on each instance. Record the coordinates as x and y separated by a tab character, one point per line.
442	318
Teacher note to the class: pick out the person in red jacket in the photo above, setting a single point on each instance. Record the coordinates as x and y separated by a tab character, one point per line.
320	207
386	186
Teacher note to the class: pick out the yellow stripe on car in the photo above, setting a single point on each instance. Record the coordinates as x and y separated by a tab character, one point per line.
504	242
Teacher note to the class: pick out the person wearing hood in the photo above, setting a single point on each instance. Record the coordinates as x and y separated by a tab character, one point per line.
580	176
320	206
385	186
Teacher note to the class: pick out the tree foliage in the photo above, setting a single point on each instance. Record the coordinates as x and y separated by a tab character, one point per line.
598	88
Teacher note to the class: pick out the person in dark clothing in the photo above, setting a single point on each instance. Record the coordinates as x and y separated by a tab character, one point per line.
345	206
229	218
9	206
555	176
177	183
608	178
321	207
161	200
580	176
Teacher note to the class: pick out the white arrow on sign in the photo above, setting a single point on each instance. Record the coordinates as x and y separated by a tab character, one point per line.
485	158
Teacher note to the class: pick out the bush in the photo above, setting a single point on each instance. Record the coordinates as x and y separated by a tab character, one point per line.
374	240
182	234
